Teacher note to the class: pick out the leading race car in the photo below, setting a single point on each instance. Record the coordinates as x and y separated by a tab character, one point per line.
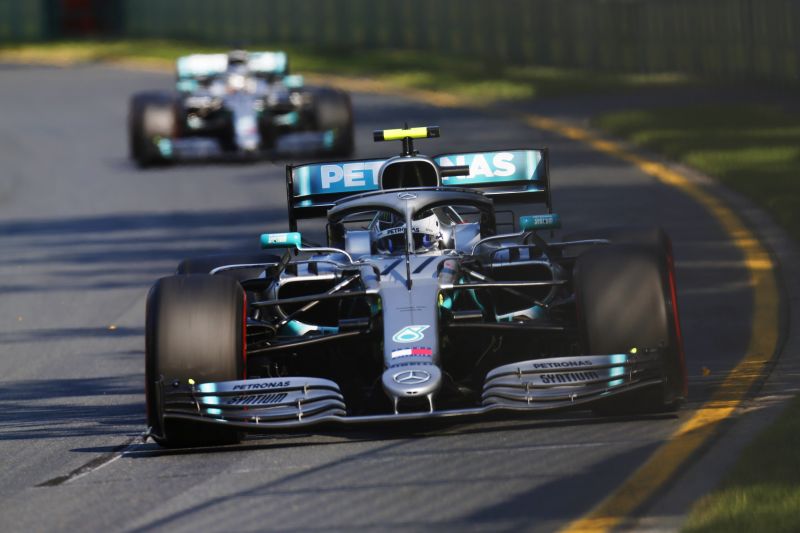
239	105
418	306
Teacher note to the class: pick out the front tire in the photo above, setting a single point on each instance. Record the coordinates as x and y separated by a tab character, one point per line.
626	298
194	330
151	116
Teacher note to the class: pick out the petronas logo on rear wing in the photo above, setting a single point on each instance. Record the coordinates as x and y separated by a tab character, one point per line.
492	168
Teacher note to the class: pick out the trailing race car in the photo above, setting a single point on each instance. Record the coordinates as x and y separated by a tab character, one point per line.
238	105
418	306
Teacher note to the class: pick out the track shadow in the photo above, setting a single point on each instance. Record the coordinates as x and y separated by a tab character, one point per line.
119	251
56	408
355	476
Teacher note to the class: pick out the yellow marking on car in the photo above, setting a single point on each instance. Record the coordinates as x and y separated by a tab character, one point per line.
703	423
398	134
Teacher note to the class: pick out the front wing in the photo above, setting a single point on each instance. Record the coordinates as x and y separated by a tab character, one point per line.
290	144
537	385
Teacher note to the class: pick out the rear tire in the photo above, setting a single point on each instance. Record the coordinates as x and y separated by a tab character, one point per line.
194	330
151	116
625	297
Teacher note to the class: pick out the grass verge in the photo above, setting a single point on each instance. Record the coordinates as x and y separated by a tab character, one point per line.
754	149
471	81
762	493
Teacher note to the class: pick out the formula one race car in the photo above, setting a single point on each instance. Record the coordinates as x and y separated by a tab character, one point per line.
418	306
238	105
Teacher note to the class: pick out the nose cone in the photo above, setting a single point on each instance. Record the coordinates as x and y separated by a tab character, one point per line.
411	380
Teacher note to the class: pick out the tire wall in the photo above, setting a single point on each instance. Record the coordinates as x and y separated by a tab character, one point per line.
736	39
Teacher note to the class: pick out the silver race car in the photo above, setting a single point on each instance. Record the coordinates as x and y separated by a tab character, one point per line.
240	105
431	298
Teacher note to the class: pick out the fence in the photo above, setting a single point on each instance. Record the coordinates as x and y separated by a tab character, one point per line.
23	21
713	38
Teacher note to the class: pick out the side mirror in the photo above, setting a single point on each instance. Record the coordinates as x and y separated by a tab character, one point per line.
281	240
538	222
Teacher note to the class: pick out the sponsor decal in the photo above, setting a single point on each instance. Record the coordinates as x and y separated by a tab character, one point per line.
259	399
411	308
393	231
261	386
400	230
412	377
569	377
562	364
412	352
410	334
488	167
350	175
407	196
332	178
533	222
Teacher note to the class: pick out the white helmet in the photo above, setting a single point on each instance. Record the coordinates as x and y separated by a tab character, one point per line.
426	232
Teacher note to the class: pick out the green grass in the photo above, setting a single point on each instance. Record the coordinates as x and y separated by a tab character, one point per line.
762	493
754	149
467	79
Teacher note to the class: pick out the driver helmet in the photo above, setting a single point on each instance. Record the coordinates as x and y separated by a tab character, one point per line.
426	233
237	57
237	73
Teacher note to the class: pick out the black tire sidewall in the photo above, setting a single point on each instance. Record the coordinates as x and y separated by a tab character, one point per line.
624	300
141	147
194	330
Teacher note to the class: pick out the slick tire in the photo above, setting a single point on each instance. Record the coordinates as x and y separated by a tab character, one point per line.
205	264
333	111
625	298
151	116
194	330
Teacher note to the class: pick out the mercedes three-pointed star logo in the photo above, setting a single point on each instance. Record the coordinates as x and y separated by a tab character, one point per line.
412	377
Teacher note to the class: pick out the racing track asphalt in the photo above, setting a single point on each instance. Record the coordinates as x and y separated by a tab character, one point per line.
82	236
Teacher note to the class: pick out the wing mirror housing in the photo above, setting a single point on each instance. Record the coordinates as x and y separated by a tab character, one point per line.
539	222
281	240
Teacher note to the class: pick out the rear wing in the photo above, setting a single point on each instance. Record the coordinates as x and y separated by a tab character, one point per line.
505	176
204	65
268	63
201	65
